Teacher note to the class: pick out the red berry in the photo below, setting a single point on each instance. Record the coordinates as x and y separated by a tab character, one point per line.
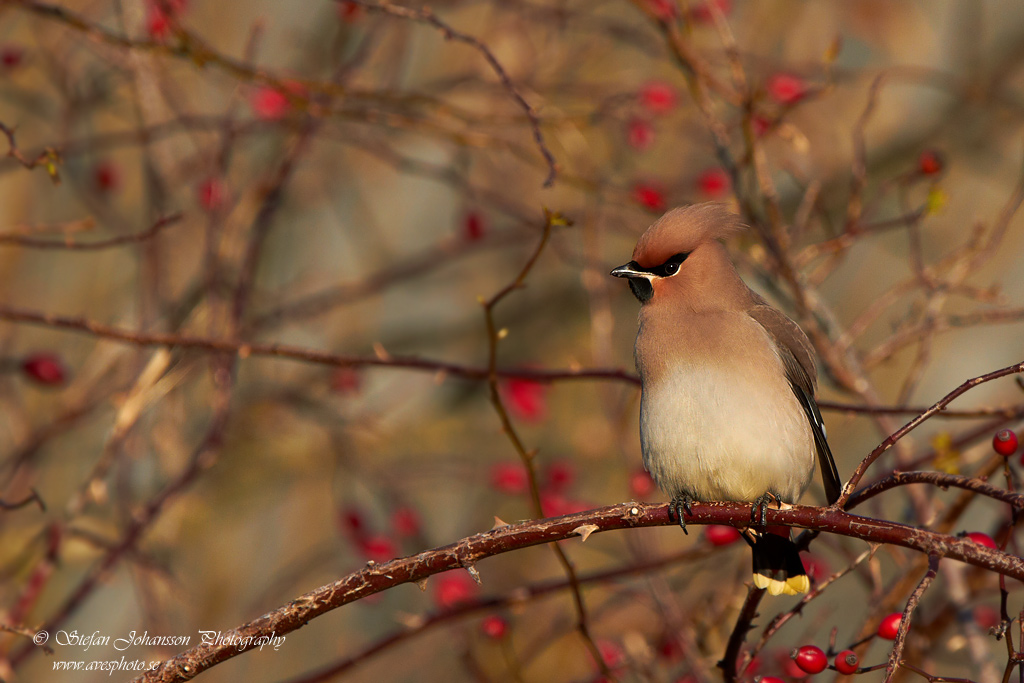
846	662
714	183
454	588
761	125
527	400
211	193
560	475
810	658
770	679
378	548
158	23
986	617
890	626
44	368
269	104
786	88
106	176
352	521
658	97
405	522
611	653
930	162
649	196
702	13
663	9
1005	443
473	227
349	12
346	380
719	534
641	484
494	627
11	56
509	478
982	539
640	134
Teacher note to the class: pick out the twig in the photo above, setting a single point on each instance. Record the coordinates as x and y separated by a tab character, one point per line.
428	17
895	656
70	244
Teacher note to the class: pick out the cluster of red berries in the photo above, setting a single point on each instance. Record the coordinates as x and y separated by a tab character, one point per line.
379	547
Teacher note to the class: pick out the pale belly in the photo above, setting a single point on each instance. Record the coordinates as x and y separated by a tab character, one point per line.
720	438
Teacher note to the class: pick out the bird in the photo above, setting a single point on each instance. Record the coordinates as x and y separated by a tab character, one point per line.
727	408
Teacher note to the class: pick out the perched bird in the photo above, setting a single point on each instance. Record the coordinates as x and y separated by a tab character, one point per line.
727	409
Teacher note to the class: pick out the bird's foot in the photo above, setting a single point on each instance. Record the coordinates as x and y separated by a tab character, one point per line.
682	501
761	506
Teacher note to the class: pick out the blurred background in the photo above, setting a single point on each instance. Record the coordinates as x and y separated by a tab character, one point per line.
353	180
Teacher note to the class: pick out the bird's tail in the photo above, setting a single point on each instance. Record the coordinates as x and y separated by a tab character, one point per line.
777	564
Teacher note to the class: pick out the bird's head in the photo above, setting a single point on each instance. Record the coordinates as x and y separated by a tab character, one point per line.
680	250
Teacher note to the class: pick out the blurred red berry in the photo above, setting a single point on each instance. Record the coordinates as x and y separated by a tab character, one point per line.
714	183
641	484
555	504
158	23
810	658
378	548
761	125
11	56
269	103
349	12
1005	443
640	134
44	368
668	647
454	588
720	534
982	539
890	626
611	653
509	478
790	668
211	193
405	522
649	196
930	162
106	176
663	9
786	88
816	567
527	400
846	662
560	475
986	617
346	380
702	12
494	627
770	679
658	97
352	521
473	226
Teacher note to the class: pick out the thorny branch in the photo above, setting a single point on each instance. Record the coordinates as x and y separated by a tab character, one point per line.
469	551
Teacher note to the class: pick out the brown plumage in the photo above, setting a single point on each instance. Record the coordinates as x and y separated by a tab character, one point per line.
727	408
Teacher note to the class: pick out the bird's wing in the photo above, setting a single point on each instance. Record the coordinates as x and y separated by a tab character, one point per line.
798	357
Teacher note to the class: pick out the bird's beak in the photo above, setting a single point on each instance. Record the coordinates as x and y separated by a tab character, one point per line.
631	269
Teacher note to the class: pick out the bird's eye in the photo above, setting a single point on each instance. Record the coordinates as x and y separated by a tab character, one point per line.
670	267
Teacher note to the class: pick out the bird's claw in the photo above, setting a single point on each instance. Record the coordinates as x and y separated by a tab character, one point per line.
683	501
761	504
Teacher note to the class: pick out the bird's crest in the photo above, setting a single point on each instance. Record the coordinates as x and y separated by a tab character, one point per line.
681	230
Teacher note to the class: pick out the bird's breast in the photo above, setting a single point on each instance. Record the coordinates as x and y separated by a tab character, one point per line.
718	418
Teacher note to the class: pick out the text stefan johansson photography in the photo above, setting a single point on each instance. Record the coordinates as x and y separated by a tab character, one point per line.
135	639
